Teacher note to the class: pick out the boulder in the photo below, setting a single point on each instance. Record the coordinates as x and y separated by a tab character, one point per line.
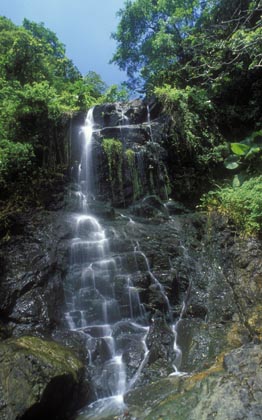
39	379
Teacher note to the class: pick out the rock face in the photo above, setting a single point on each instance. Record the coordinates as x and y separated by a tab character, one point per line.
186	269
38	379
133	165
201	263
219	330
31	293
231	391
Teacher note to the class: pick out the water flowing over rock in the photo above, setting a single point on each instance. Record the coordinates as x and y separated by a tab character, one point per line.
147	310
106	287
137	167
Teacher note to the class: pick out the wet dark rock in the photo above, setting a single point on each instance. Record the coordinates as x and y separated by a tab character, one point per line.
231	392
150	207
179	252
113	114
211	277
201	343
103	351
174	207
31	294
161	355
240	262
141	401
156	300
133	356
120	245
38	379
160	340
75	341
144	172
128	338
32	303
103	210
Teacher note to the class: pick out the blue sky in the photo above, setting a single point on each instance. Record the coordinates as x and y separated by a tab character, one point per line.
84	26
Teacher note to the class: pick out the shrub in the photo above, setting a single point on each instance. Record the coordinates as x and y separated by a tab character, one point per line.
242	204
246	154
195	131
16	161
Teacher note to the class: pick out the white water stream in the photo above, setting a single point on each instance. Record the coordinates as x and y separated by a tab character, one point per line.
102	302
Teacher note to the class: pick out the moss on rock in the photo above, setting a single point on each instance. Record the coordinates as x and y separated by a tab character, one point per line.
38	378
113	149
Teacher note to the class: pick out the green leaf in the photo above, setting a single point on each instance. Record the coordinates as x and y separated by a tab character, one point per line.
231	162
239	149
253	151
238	180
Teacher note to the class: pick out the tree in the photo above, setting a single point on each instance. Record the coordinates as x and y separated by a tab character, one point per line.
115	93
214	45
21	57
60	67
95	83
150	37
186	41
39	87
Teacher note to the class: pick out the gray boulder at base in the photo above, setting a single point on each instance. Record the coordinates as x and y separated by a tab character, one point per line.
39	379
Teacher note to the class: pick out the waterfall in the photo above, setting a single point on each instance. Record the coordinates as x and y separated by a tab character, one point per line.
86	172
93	307
102	299
149	123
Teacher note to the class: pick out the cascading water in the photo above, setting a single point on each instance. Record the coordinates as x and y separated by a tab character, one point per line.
102	301
149	123
92	304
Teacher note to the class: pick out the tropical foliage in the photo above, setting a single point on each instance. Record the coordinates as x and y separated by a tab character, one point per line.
39	89
242	205
213	44
246	154
203	61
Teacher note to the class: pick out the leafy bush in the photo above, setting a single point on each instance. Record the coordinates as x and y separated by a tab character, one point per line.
16	161
243	205
194	122
247	153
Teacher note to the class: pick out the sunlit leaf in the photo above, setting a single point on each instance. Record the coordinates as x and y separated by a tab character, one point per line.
239	149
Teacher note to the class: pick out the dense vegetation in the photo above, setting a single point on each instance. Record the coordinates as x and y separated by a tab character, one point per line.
40	89
203	61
